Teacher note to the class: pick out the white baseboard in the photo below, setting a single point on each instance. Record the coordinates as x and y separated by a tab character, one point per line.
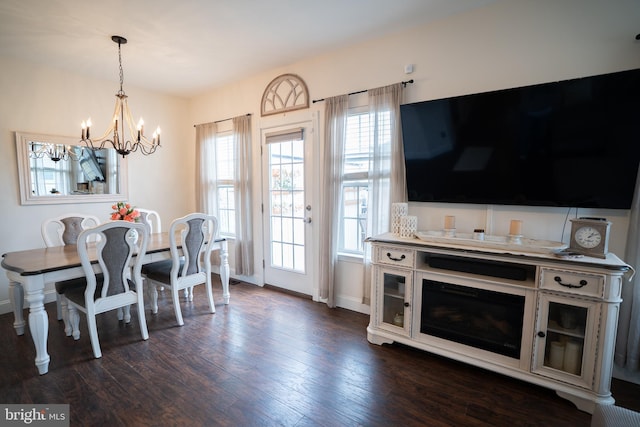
626	375
353	304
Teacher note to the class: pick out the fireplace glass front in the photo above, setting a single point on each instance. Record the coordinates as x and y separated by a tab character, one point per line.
480	318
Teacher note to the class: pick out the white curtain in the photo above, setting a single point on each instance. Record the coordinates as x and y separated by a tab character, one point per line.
332	161
387	182
627	353
242	191
205	175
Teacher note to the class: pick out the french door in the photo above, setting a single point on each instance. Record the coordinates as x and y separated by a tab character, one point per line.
288	207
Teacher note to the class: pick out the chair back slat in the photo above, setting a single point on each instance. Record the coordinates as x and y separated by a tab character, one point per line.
194	242
115	255
72	229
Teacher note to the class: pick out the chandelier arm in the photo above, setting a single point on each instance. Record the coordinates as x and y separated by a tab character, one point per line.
130	123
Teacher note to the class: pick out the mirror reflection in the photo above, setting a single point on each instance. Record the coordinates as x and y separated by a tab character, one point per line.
54	170
61	169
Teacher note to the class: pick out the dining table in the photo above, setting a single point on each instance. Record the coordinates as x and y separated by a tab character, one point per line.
30	270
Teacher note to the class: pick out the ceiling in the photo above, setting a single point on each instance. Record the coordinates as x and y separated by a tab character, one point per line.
187	46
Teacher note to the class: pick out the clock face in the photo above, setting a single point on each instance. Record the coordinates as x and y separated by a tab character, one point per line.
588	237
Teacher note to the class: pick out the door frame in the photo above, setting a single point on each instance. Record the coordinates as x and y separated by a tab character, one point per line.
310	120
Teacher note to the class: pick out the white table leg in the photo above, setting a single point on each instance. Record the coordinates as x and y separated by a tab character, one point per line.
38	320
16	295
224	270
39	327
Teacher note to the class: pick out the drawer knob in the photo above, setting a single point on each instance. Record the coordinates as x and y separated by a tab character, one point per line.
395	259
580	284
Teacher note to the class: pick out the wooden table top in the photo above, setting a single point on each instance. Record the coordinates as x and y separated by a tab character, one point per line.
43	260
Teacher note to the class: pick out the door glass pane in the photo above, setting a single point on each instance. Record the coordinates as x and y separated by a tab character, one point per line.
565	337
287	210
394	296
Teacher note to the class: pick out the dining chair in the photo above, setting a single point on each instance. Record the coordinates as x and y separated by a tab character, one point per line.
120	282
64	229
60	231
191	240
152	218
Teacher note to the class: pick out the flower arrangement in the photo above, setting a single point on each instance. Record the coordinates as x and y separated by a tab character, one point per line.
125	212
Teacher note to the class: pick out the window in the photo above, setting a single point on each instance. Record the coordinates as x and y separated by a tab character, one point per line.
225	184
355	181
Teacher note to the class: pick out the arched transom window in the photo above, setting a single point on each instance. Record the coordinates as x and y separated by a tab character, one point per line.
287	92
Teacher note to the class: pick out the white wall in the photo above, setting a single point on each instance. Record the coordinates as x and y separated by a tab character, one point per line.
50	101
506	44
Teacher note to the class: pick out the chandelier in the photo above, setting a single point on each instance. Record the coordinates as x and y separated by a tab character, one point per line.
115	135
55	152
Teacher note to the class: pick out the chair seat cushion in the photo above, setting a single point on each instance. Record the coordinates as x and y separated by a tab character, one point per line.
76	293
80	282
160	271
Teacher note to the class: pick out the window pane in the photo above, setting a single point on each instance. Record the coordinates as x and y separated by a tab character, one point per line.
225	157
276	228
298	258
225	175
355	204
358	152
226	211
276	254
357	145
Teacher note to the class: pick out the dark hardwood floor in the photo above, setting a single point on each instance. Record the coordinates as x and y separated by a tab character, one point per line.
269	358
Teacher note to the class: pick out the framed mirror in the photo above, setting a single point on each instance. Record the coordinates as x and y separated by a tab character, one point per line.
59	169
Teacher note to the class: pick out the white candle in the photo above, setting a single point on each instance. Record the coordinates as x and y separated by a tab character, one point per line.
449	222
573	358
515	229
556	355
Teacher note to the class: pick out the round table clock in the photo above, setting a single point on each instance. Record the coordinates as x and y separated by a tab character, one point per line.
590	236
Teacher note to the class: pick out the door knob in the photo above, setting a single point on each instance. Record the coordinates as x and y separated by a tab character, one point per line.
307	220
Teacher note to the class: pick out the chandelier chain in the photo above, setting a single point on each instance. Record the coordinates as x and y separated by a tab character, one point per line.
121	91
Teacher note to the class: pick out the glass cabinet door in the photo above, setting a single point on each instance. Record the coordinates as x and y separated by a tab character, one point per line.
564	347
395	304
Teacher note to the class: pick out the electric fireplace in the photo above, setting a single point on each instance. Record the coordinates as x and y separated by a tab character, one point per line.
484	319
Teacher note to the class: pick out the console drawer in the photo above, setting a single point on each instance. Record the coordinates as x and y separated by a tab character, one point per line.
394	256
574	282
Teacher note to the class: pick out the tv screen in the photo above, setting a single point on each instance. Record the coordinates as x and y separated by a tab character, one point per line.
573	143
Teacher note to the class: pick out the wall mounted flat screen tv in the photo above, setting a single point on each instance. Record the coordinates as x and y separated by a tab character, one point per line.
573	143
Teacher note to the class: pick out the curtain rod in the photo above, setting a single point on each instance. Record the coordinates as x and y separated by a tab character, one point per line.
223	120
363	91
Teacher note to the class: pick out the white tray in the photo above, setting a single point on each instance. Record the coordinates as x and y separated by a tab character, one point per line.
493	242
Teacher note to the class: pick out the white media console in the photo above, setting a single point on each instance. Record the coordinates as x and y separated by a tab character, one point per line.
530	315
